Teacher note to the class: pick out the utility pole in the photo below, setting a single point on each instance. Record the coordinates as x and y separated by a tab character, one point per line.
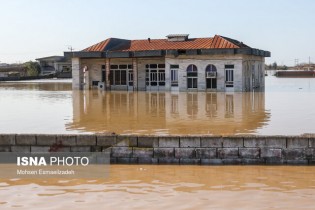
309	62
296	61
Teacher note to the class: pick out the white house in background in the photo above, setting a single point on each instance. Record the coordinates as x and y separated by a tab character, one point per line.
176	63
54	64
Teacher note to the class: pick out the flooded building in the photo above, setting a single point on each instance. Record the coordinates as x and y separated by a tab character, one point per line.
177	63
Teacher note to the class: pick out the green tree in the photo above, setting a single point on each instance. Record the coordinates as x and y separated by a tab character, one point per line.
275	66
32	68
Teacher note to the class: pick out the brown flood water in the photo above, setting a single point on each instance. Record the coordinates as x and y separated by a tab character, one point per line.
50	106
162	113
286	108
169	187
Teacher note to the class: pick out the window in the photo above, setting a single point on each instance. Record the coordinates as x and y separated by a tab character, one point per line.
118	74
211	77
66	69
95	83
229	75
155	75
130	77
192	76
211	68
174	75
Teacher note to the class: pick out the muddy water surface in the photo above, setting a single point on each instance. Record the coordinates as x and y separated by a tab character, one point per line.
50	106
169	187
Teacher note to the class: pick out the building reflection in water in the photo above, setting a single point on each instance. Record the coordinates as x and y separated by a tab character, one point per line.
168	113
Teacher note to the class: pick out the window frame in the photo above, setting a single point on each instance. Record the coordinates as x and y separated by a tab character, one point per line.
119	74
155	75
174	75
192	76
229	76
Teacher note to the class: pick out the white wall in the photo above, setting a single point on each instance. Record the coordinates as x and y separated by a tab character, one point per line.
219	61
253	73
77	75
243	73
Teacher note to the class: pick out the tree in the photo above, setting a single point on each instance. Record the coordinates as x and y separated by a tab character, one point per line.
32	68
275	66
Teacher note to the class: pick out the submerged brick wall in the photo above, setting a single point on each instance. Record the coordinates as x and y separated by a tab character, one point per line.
204	150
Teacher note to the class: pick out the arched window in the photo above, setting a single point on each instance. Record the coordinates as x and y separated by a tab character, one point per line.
192	68
192	76
211	68
211	76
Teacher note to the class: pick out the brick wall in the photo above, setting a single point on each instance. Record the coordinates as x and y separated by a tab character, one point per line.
203	150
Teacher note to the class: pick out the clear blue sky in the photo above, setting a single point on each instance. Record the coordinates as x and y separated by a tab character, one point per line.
37	28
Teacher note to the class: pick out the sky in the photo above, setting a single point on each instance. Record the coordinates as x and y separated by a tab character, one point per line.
30	29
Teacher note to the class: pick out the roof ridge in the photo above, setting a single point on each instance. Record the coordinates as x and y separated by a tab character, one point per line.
118	44
166	39
92	47
239	44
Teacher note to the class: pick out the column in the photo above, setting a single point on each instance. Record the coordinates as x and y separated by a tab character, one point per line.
135	74
77	74
107	70
86	75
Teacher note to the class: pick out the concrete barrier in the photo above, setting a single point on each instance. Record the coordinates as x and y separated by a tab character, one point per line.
201	150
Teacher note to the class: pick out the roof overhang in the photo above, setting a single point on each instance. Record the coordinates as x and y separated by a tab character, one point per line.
50	58
161	53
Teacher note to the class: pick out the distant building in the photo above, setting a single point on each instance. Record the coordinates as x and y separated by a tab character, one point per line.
54	65
310	67
3	64
177	63
13	70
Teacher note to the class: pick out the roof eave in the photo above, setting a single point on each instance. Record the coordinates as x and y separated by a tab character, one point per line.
161	53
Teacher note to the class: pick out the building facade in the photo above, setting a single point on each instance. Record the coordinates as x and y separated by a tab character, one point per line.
13	70
55	65
177	63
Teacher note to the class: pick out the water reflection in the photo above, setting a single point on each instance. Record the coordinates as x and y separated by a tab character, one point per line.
168	113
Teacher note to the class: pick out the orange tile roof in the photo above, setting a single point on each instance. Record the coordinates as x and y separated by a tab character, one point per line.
163	44
217	42
98	47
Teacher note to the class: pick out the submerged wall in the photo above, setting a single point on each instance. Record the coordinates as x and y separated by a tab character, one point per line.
200	150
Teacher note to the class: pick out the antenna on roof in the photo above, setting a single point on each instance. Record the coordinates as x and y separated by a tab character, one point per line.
149	39
70	48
